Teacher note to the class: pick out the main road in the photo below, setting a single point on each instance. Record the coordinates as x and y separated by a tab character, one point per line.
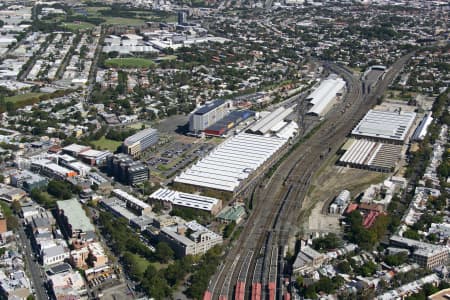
274	218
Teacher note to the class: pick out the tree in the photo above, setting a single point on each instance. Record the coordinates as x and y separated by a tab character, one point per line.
299	281
59	189
367	269
330	241
344	267
396	259
155	284
411	234
163	252
131	265
229	229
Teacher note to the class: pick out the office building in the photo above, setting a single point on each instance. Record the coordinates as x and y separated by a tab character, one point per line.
141	141
190	238
132	202
182	17
207	115
75	149
425	254
73	219
127	171
307	260
28	181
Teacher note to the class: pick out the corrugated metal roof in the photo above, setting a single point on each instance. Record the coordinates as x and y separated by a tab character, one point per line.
385	124
231	162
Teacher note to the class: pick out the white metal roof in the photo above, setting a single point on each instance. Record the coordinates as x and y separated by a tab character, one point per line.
130	198
185	199
385	124
270	121
139	136
323	96
372	154
231	162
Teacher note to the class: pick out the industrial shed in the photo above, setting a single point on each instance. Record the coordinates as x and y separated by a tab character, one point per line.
371	155
385	126
179	199
271	121
324	96
422	129
231	163
230	121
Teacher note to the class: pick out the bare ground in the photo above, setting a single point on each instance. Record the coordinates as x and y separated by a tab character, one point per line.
326	184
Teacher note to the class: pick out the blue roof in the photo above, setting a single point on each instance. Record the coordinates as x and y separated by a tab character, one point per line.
208	107
236	116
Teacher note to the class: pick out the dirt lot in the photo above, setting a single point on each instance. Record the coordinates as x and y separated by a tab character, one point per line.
117	292
326	185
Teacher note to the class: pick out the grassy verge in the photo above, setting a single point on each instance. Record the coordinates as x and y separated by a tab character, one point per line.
75	26
130	62
122	21
22	97
107	144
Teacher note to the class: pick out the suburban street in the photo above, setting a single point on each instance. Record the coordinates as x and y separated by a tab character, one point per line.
33	266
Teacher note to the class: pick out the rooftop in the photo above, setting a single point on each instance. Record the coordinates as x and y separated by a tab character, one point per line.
76	148
185	199
231	162
385	124
139	135
209	107
75	214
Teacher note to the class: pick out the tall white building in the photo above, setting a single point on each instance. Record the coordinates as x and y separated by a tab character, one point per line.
207	115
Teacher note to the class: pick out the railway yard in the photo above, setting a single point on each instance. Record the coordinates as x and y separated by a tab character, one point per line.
254	267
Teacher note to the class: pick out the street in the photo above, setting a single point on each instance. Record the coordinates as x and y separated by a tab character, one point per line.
32	266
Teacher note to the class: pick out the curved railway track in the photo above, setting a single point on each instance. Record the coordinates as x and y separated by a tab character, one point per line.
270	223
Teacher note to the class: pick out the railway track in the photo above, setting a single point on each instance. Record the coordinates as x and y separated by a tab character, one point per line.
274	218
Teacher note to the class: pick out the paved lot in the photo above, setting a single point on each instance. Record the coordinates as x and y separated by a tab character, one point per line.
173	124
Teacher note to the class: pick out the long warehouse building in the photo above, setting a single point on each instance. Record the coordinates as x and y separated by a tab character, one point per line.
370	155
422	129
324	96
229	165
385	126
270	121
